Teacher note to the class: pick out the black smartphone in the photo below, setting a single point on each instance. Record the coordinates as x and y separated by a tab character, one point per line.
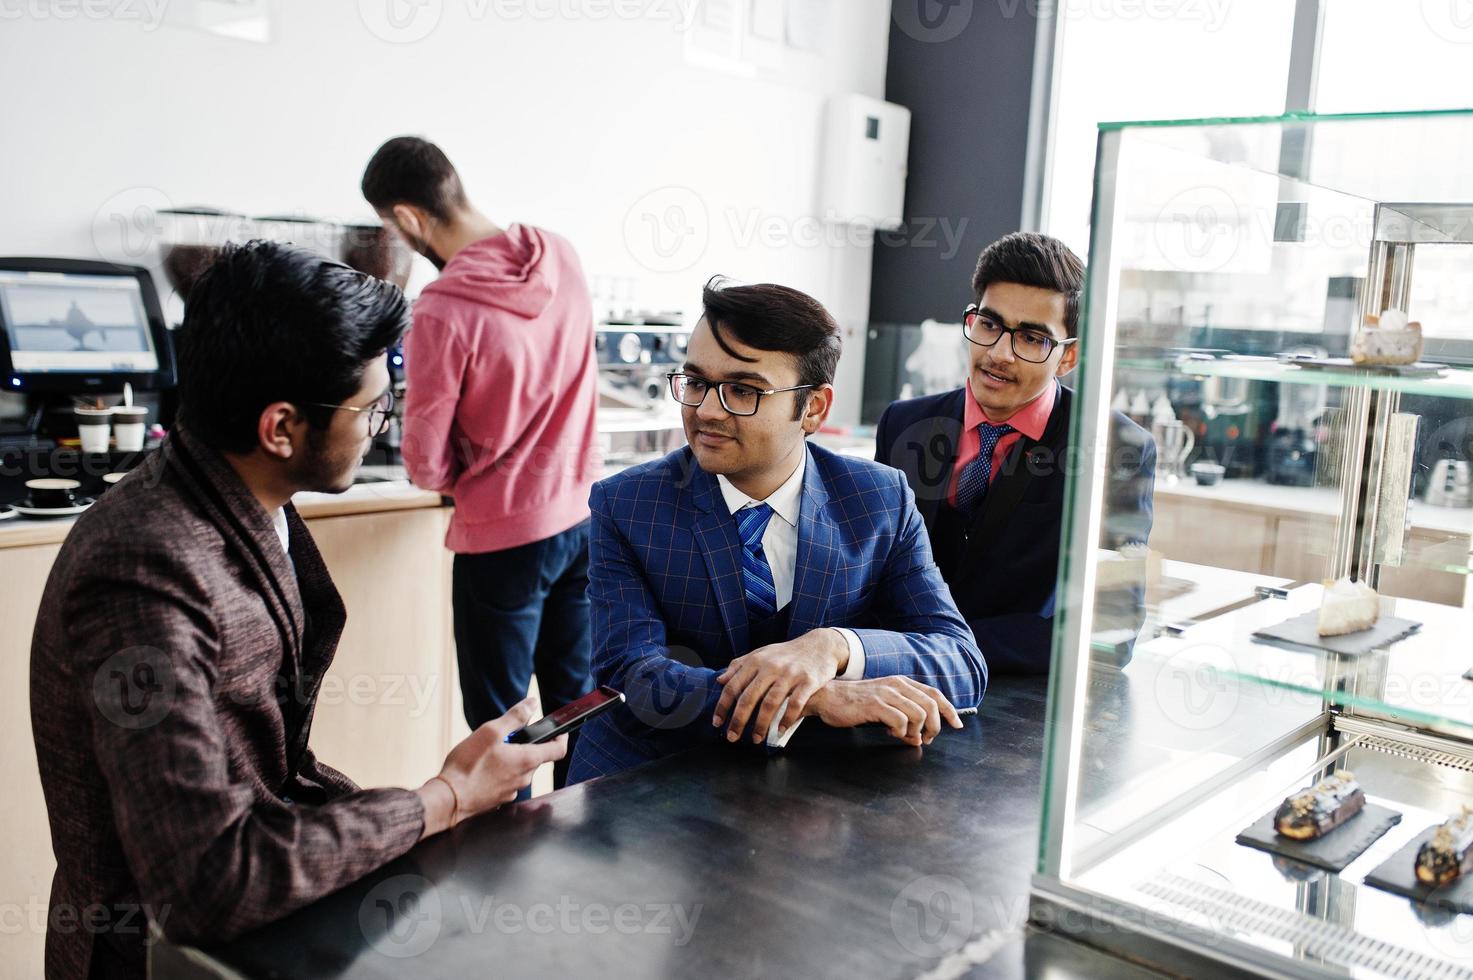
568	717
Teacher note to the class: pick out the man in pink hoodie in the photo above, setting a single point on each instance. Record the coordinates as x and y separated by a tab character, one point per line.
501	395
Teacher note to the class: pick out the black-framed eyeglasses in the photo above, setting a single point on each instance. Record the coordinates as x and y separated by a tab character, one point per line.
379	412
737	398
1028	345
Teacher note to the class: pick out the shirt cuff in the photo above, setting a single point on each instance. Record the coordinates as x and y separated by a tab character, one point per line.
855	670
774	740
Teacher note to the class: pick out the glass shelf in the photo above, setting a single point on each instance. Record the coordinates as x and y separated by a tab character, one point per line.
1453	383
1396	156
1417	681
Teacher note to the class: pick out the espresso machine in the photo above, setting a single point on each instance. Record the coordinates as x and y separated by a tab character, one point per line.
635	352
638	419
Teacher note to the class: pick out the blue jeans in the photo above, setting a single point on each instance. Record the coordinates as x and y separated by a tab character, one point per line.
522	611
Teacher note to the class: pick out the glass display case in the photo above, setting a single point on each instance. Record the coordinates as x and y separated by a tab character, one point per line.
1233	264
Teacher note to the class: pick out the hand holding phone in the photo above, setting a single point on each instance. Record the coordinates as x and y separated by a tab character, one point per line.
568	717
484	770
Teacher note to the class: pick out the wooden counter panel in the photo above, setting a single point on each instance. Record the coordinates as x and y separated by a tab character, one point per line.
1295	545
389	704
25	883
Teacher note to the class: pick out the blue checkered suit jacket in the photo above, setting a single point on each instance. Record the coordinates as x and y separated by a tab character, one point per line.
668	612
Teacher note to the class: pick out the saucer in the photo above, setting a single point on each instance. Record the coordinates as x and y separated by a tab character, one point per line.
6	513
24	507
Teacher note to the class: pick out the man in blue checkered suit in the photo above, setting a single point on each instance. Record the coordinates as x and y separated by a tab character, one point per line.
751	580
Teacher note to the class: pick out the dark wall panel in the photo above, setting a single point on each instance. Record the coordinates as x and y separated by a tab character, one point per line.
964	68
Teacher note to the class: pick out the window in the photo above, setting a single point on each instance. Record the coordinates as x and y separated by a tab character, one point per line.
1413	54
1182	60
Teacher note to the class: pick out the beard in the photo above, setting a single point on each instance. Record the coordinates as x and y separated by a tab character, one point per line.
327	470
423	248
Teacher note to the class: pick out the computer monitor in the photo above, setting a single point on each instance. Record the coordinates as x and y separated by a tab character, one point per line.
74	326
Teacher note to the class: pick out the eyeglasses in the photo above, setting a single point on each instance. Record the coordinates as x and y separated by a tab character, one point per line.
736	398
379	412
1028	345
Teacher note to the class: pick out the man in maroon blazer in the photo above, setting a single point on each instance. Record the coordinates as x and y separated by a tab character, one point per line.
187	625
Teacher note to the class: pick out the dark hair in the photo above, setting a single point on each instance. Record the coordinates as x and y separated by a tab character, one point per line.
771	317
268	322
410	170
1031	259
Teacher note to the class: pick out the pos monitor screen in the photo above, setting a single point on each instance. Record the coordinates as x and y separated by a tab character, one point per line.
75	326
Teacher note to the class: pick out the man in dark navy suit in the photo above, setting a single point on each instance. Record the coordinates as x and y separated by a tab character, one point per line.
988	462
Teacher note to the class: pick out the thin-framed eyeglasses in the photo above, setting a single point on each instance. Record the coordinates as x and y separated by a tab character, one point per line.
736	397
379	412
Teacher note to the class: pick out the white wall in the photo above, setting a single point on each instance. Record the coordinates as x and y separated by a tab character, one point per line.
589	121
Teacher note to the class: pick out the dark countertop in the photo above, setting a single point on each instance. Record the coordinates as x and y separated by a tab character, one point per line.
849	855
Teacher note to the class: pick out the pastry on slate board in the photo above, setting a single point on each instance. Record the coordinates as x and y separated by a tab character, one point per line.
1448	853
1314	812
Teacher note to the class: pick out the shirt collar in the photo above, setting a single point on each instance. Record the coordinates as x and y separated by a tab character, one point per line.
1030	420
785	501
283	530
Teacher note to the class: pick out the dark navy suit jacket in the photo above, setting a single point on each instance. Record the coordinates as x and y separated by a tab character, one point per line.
668	611
1002	565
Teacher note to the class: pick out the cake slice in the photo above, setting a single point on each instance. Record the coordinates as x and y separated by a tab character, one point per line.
1316	811
1387	339
1348	607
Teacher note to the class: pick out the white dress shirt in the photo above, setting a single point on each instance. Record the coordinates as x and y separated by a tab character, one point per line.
283	531
780	545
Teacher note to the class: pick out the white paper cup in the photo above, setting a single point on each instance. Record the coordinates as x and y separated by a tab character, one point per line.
94	428
128	427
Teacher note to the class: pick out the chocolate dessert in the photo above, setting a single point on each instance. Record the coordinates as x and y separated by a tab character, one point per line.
1316	811
1449	853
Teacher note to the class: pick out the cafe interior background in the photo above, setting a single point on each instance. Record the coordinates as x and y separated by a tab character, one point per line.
859	150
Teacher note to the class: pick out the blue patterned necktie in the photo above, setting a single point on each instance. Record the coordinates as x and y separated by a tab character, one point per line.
756	573
977	475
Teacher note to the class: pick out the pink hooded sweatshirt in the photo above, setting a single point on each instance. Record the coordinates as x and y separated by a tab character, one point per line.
502	391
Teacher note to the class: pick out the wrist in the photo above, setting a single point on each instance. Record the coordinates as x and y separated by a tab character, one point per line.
814	705
440	804
838	649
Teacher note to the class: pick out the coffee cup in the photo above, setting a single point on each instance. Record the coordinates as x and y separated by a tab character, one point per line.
94	428
128	427
1208	474
53	493
110	479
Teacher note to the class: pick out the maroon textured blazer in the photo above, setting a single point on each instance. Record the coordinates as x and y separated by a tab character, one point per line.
174	668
